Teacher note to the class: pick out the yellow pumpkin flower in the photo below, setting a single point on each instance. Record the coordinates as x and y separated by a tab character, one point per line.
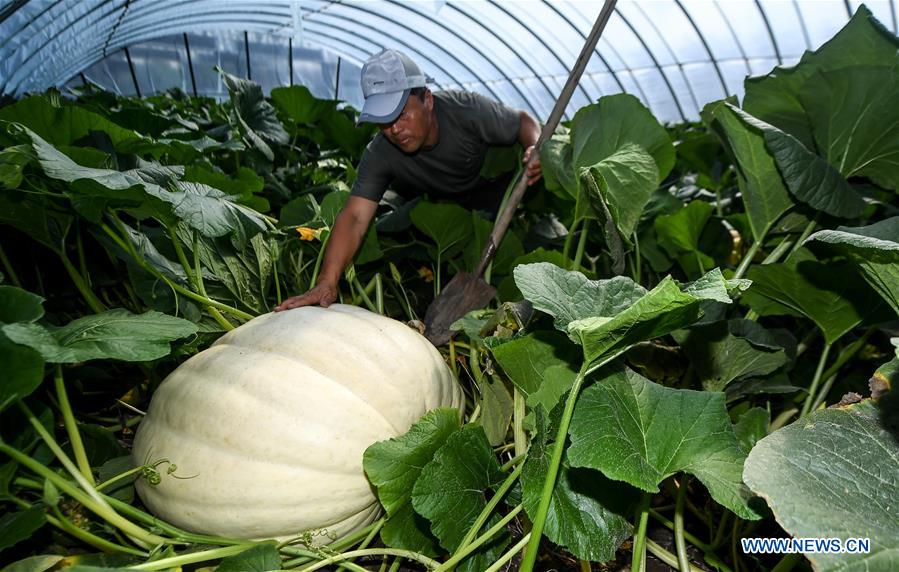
307	233
426	273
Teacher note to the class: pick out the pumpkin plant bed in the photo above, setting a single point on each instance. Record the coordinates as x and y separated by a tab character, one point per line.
693	342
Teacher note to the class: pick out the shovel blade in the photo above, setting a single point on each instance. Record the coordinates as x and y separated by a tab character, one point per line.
464	293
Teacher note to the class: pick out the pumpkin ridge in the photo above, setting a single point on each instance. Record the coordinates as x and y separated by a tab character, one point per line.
323	375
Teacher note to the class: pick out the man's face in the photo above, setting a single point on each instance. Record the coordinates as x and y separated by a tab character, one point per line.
410	130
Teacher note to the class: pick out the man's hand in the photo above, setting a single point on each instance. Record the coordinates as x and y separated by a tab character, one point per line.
323	294
535	171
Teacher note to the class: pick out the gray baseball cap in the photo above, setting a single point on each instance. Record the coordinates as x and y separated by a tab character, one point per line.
387	79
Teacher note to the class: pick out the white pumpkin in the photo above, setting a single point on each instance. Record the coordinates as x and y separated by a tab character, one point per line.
270	423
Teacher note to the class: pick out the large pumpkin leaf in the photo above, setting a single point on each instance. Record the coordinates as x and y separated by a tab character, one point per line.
662	310
255	117
725	351
856	121
639	432
20	525
23	367
300	105
775	98
446	224
875	248
115	334
679	234
600	130
569	295
259	558
450	492
808	177
623	183
832	295
542	365
496	410
558	167
393	466
588	512
834	474
764	195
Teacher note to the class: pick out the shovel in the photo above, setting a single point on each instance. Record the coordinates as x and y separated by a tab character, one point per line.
467	292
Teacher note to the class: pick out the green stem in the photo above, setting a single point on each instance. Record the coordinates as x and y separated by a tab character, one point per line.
7	267
82	260
722	527
683	562
379	294
666	556
638	560
830	374
687	536
358	287
334	547
514	461
807	231
275	274
72	427
569	238
809	399
319	258
62	523
395	566
581	245
112	480
638	274
747	258
778	251
95	304
176	287
428	562
100	508
364	544
549	484
510	554
782	419
194	557
465	550
518	414
552	472
488	510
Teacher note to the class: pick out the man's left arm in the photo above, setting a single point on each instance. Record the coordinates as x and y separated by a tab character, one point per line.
528	133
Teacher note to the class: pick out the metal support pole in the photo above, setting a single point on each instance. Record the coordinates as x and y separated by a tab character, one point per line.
190	65
337	79
246	44
133	75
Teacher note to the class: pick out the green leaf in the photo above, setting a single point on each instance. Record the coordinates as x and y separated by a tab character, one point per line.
115	334
833	474
18	526
774	98
625	181
12	165
23	371
601	129
542	365
714	286
679	232
639	432
569	295
722	352
18	305
63	125
662	310
393	466
764	194
855	121
752	427
448	225
588	513
496	410
255	117
557	166
259	558
875	249
300	105
450	492
832	295
33	564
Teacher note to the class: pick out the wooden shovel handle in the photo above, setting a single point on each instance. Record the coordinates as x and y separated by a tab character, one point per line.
502	224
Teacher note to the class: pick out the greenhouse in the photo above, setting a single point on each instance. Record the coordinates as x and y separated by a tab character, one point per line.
435	285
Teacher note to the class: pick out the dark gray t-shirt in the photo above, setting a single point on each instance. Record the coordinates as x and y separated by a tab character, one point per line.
469	123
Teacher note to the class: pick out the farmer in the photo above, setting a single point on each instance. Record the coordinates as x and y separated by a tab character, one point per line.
429	142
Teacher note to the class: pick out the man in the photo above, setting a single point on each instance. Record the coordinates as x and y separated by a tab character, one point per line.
429	142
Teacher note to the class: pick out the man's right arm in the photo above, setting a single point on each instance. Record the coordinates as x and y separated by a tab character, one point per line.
346	237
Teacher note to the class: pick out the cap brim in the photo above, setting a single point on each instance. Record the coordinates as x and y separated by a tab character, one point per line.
383	107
